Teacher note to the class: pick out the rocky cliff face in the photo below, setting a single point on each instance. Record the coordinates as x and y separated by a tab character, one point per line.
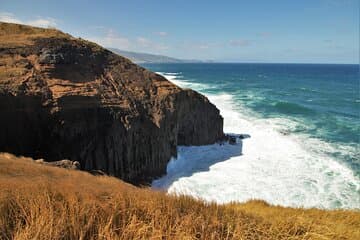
67	98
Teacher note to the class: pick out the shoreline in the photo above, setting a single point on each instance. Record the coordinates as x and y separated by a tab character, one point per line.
309	179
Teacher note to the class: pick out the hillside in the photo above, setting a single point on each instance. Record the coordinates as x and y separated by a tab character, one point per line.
43	202
137	57
67	98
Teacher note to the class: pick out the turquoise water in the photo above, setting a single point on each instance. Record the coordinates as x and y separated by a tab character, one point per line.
309	113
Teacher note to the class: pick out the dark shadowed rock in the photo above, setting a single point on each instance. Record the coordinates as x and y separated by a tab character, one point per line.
232	140
67	98
97	173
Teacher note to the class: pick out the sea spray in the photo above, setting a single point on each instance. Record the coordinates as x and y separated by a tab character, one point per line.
273	165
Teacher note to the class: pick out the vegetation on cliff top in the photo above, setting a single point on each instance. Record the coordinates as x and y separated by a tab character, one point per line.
43	202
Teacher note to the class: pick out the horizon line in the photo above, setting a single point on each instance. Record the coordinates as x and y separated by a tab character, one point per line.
233	62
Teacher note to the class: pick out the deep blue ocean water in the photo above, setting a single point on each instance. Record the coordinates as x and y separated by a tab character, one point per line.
314	108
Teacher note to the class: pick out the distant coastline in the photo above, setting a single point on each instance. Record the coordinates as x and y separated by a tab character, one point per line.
148	58
138	57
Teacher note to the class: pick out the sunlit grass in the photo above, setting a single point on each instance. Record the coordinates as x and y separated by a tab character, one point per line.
43	202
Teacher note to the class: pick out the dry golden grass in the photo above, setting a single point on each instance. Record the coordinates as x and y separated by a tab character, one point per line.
13	35
19	35
43	202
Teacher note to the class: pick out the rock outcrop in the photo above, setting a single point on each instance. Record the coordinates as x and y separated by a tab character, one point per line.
74	165
67	98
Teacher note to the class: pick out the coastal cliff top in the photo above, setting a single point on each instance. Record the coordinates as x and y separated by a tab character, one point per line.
57	66
17	35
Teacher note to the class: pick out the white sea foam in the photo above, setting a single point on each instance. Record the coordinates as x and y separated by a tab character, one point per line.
173	77
271	165
170	73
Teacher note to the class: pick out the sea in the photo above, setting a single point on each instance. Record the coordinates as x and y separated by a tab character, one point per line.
303	128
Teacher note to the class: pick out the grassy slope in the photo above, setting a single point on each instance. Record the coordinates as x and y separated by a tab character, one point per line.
14	35
43	202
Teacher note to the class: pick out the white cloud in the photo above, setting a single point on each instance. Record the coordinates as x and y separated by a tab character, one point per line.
148	45
37	22
264	34
162	34
200	46
204	46
108	37
239	42
9	18
143	42
42	22
112	39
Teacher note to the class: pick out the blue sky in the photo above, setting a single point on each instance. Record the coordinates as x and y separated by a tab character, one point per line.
317	31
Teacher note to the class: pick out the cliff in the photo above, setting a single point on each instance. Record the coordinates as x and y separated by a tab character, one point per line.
67	98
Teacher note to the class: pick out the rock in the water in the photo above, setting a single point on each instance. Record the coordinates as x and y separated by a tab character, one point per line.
244	136
232	140
67	98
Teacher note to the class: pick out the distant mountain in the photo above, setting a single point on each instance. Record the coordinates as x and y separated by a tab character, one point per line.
137	57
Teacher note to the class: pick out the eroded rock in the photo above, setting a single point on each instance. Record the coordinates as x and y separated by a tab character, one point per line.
67	98
62	164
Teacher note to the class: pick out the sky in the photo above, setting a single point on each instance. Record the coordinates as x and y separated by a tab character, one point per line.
307	31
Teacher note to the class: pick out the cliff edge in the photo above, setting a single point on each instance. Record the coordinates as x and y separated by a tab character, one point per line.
66	98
